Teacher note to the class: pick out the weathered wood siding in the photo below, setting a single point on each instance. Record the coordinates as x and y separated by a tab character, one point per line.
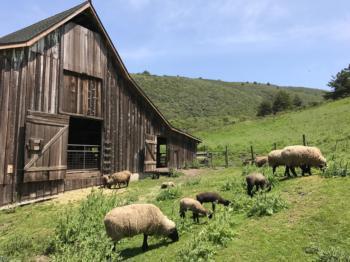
72	72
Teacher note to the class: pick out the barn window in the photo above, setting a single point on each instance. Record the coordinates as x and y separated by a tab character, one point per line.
84	144
162	152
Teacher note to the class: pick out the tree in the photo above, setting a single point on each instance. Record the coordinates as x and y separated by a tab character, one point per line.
146	73
264	109
281	102
340	85
297	102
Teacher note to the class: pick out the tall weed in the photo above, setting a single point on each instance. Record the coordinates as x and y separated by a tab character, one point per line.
169	193
266	205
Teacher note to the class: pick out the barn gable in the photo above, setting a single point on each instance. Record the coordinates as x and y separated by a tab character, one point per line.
71	112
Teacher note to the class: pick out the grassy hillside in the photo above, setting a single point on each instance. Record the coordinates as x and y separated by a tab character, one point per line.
195	104
323	126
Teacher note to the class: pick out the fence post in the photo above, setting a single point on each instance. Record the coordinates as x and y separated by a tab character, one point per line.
304	140
226	158
252	153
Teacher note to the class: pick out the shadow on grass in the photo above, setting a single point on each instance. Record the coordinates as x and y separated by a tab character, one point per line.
135	251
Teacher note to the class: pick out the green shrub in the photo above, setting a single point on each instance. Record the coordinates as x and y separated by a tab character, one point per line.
266	205
169	193
337	169
80	234
219	231
333	254
199	250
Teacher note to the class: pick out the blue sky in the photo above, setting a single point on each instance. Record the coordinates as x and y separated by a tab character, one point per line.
286	42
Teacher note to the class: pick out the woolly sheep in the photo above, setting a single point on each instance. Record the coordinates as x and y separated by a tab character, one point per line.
167	185
260	161
212	197
303	156
196	208
275	160
131	220
122	177
106	181
258	180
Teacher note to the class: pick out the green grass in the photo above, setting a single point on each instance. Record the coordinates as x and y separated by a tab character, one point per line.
197	104
301	219
318	214
323	126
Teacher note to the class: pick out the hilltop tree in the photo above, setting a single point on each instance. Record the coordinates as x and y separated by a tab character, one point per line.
146	73
281	102
297	102
340	85
265	108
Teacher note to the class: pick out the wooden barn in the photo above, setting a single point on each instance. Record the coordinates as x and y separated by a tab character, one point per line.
70	111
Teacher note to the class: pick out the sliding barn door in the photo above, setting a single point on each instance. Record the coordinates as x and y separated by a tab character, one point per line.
45	147
150	153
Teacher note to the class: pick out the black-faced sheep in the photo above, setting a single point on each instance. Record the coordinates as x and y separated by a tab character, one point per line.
258	180
122	177
196	208
304	157
213	198
167	185
146	219
260	161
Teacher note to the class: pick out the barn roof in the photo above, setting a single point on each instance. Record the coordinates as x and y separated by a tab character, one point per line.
31	34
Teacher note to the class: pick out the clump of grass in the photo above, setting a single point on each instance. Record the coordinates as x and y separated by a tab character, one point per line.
193	182
332	254
169	193
199	250
234	186
219	231
80	234
175	173
266	205
16	245
337	169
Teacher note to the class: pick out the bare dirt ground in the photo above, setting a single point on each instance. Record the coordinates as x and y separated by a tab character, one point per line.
192	172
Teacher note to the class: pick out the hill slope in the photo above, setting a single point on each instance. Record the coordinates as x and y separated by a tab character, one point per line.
323	126
195	104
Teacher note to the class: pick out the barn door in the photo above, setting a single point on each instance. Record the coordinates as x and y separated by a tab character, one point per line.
45	147
150	153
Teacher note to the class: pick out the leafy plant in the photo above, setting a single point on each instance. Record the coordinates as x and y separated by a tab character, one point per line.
169	193
337	169
80	234
266	205
220	231
198	250
333	254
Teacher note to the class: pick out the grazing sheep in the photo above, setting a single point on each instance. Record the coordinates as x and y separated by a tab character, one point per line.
260	161
146	219
167	185
196	208
212	197
304	157
258	180
122	177
106	181
275	159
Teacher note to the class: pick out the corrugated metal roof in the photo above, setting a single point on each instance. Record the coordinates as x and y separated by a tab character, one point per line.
31	31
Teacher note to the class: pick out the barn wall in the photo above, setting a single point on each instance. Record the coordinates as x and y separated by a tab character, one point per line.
33	78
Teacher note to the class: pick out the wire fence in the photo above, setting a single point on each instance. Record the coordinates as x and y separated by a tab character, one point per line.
338	149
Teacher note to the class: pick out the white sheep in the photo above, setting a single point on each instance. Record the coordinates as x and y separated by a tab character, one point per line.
122	177
196	208
167	185
304	157
260	161
146	219
275	160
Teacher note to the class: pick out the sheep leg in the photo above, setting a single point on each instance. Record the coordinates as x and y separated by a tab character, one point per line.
274	169
293	171
182	214
286	172
249	190
145	244
213	206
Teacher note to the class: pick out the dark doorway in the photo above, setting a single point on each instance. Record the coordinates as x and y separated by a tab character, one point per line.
162	152
84	144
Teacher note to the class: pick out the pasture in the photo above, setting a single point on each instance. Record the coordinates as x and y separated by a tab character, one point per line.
301	219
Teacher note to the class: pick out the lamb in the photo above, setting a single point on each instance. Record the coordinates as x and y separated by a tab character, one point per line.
196	208
258	180
167	185
212	197
122	177
260	161
303	156
134	219
106	181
